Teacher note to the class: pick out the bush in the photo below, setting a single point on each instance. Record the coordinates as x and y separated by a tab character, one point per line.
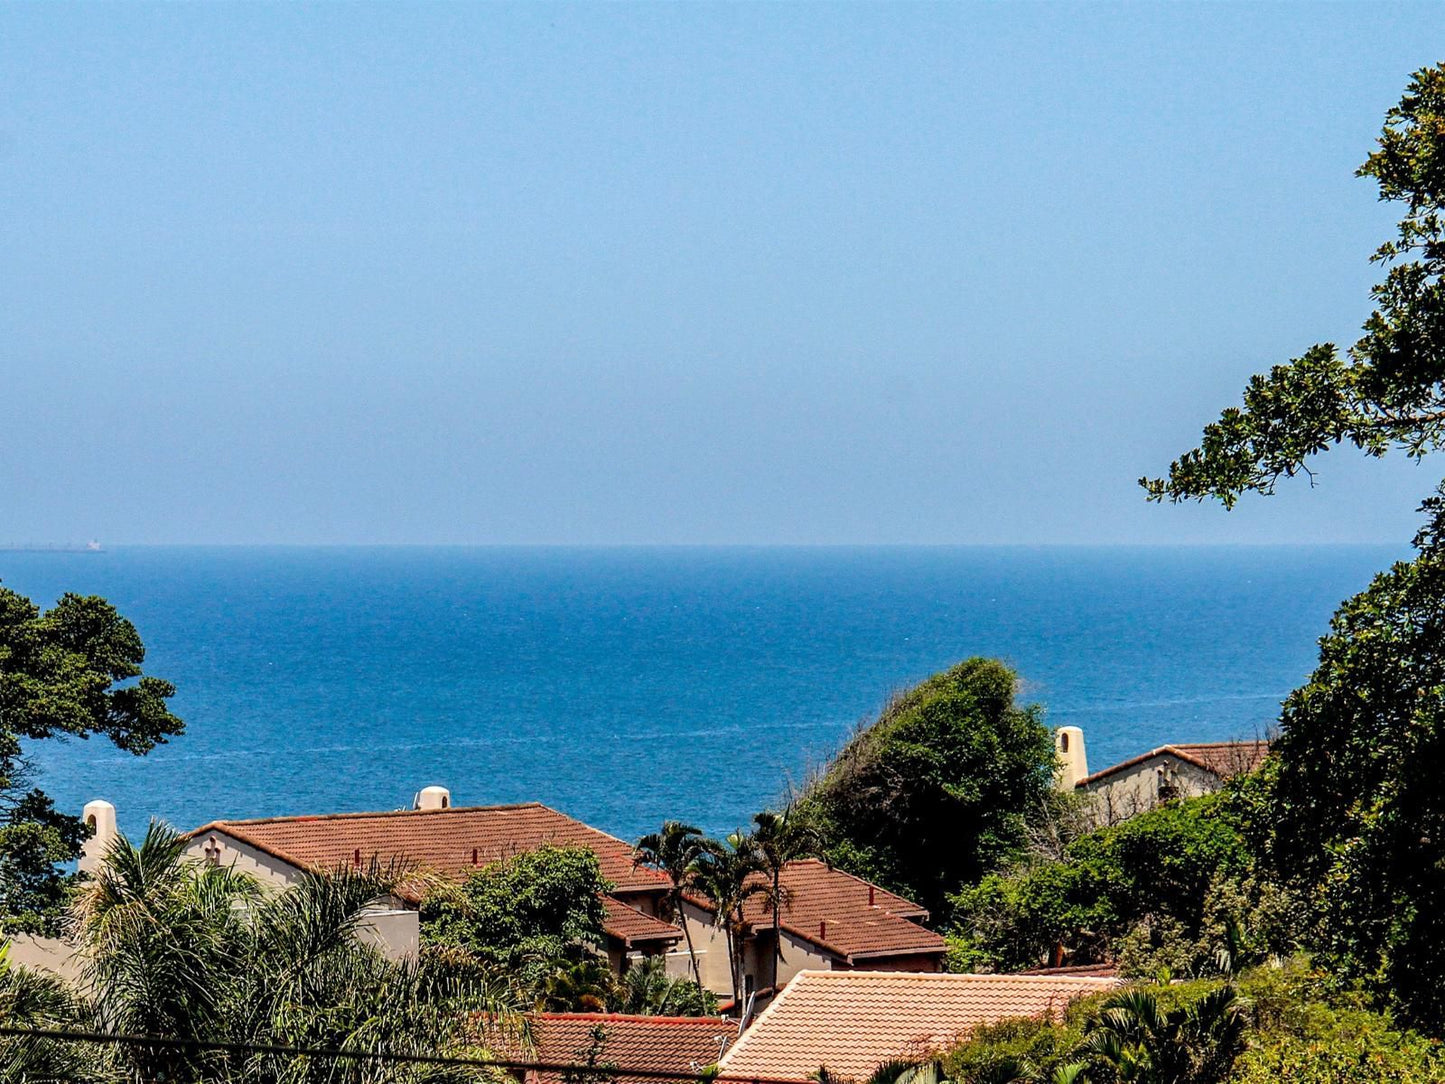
1159	891
936	792
530	913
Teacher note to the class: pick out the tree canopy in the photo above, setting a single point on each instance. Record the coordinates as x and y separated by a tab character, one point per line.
530	912
1388	391
936	792
1351	813
73	670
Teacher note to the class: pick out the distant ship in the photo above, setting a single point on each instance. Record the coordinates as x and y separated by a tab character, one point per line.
52	547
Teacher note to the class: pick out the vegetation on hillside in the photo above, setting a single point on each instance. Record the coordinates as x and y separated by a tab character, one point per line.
938	790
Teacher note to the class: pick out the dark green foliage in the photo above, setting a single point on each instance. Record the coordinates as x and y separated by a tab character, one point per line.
73	670
530	913
1151	878
1015	1050
936	792
647	990
34	840
1390	391
1135	1038
1308	1031
1355	811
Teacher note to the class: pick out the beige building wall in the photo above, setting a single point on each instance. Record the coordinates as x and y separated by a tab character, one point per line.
1138	788
225	850
710	941
45	954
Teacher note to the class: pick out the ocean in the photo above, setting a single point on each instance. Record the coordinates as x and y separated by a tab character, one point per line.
624	686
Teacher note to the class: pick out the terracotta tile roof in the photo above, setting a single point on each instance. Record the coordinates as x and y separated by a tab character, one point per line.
854	1021
845	914
451	842
666	1044
632	927
1222	758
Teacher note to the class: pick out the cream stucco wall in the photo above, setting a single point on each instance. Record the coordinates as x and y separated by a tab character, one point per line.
389	925
1136	789
710	941
229	851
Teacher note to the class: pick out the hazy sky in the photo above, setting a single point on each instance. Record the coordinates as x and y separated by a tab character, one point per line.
683	273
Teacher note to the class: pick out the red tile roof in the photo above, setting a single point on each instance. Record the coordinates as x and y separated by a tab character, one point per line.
1224	759
664	1044
845	915
854	1021
453	843
632	927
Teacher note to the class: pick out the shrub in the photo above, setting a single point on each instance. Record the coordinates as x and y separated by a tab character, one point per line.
937	790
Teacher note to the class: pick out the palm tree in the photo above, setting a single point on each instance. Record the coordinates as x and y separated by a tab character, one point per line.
1196	1043
675	851
182	949
648	990
781	838
727	873
33	999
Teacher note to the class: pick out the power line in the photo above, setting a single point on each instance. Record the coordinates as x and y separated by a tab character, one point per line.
175	1043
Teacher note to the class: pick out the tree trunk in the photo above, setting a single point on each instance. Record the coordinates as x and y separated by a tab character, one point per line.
777	926
681	914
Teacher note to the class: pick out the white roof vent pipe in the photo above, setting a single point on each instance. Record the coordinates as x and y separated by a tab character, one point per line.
433	798
99	817
1073	764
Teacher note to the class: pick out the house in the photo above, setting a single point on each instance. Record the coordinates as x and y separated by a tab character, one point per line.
1160	775
685	1045
830	920
446	840
851	1022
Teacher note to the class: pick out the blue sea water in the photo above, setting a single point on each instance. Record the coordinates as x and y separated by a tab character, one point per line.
626	685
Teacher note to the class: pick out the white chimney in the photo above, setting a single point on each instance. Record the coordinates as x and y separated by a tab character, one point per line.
99	817
1073	764
433	798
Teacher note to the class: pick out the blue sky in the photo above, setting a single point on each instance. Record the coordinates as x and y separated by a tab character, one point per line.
678	274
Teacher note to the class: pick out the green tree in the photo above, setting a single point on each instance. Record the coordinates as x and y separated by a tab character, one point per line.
73	670
730	873
30	999
1355	819
1177	874
675	851
183	949
1389	392
1352	819
648	990
529	913
936	792
780	838
1135	1039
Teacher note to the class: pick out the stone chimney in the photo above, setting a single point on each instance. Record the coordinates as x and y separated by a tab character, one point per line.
99	817
433	798
1073	764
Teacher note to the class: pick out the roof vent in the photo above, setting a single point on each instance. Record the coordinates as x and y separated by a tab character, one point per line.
433	798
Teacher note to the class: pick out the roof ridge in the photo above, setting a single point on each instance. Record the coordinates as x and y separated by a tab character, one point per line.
952	976
357	814
711	1021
